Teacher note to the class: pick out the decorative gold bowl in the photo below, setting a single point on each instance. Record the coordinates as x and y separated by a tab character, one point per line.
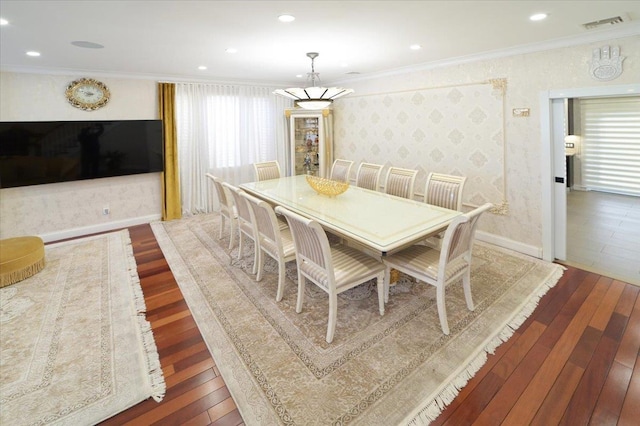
327	186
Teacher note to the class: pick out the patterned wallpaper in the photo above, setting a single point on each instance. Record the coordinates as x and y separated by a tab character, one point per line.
51	208
456	130
62	209
382	122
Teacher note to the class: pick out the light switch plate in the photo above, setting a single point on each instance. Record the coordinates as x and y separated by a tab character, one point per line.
521	112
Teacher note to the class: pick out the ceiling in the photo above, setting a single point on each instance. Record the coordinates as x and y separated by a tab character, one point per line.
356	39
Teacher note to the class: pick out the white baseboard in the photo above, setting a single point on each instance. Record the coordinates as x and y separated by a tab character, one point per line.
105	227
503	242
93	229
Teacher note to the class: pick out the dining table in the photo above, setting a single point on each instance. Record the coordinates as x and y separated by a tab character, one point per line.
377	222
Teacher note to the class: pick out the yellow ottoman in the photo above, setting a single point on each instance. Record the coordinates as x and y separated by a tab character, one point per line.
20	258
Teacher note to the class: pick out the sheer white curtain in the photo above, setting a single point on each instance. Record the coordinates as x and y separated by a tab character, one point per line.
223	130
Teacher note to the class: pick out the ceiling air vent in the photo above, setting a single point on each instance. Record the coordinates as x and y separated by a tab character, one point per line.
602	22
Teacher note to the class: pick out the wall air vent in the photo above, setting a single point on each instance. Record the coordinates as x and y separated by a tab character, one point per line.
603	22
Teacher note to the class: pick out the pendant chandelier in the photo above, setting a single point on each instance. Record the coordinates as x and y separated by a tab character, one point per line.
313	97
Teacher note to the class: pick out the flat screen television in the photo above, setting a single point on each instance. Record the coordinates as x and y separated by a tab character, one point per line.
39	152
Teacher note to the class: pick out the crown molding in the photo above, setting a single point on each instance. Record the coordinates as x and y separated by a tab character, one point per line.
591	36
137	76
627	30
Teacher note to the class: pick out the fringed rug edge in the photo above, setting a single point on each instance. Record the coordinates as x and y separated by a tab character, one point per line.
435	404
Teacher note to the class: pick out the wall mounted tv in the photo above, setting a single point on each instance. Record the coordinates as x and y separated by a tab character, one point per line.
38	152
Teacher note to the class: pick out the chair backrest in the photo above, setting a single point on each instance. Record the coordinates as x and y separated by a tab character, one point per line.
265	222
400	182
368	176
341	170
267	170
223	197
459	237
444	190
313	253
244	214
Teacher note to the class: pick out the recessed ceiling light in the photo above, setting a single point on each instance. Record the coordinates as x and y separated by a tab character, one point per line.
33	53
538	17
231	50
87	44
415	47
343	65
298	75
202	67
4	21
286	18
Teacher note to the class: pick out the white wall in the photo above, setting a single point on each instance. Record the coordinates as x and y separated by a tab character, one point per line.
527	76
63	210
58	210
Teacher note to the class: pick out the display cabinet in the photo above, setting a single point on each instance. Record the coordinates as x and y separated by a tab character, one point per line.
311	141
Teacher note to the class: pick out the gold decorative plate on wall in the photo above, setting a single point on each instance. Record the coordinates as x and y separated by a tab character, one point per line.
87	94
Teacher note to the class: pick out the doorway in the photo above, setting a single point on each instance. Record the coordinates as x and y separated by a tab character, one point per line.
554	195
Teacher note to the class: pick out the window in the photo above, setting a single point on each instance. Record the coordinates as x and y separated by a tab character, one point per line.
223	130
611	144
234	125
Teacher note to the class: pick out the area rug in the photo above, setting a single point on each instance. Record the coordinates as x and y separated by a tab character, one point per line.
380	370
76	347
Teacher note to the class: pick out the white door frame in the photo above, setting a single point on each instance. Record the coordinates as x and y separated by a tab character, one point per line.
553	220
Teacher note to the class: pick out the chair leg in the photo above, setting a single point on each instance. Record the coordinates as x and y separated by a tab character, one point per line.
442	308
466	283
387	279
281	278
382	283
240	244
256	256
260	265
232	233
333	313
301	284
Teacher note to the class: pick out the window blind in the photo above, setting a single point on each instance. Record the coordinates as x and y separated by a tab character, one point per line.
611	144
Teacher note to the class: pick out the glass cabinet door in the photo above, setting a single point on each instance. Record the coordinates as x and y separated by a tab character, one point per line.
311	142
306	145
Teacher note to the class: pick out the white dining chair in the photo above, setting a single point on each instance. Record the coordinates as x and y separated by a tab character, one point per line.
271	239
341	170
368	176
443	190
400	182
441	267
333	268
227	208
245	225
267	170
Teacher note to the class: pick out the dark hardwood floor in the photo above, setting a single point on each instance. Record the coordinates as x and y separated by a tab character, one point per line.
575	361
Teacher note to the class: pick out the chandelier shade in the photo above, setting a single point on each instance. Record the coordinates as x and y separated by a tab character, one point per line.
313	97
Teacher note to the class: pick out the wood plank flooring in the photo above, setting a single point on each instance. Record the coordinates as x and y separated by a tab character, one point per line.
576	360
603	234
